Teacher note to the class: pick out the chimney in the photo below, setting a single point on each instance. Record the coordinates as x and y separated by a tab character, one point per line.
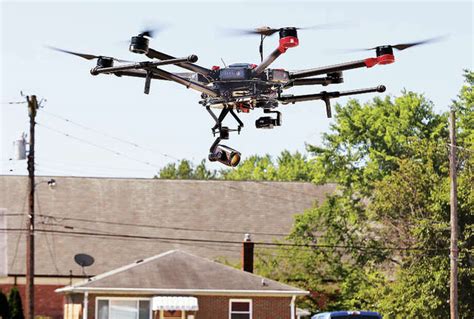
247	254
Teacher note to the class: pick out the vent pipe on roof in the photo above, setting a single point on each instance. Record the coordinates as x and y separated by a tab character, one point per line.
247	254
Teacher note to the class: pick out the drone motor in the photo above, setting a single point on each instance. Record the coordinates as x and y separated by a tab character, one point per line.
288	38
105	62
139	44
384	54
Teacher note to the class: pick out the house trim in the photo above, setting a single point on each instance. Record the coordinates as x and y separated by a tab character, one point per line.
208	292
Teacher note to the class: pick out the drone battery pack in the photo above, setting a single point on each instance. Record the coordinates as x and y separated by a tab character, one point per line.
227	74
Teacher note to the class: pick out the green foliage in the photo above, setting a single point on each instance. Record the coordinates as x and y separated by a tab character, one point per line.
286	167
367	140
185	170
4	307
16	306
384	237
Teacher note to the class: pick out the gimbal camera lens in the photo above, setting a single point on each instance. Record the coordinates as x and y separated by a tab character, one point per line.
225	155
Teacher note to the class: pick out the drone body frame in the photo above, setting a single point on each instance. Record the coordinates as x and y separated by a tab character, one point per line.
242	87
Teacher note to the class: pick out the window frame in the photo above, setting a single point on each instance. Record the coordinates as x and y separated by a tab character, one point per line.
249	301
137	299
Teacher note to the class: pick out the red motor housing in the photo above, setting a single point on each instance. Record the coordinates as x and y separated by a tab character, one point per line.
288	39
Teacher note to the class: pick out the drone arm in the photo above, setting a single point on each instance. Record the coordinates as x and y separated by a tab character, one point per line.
138	74
368	63
333	79
326	96
269	60
285	99
328	69
140	65
186	82
153	54
143	74
288	40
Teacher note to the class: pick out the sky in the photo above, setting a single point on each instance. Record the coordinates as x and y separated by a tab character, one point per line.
105	126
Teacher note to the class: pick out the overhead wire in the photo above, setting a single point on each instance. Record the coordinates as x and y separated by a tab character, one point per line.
98	146
51	248
230	242
17	244
162	227
56	220
108	135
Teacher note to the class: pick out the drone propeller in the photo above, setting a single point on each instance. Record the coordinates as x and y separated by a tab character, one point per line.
152	30
403	46
86	55
268	31
148	33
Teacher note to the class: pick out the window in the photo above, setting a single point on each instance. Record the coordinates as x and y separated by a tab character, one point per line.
240	309
123	308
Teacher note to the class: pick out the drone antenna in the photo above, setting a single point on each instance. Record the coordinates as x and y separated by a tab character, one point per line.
262	37
225	65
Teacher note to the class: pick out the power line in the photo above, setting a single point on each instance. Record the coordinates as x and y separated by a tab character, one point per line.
60	219
230	242
13	102
98	146
108	135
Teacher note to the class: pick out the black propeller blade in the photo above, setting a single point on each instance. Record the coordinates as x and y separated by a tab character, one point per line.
403	46
268	31
86	55
152	31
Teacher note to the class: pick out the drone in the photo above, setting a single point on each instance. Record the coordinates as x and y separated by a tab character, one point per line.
242	87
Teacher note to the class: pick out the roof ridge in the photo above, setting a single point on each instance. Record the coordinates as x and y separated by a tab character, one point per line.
123	268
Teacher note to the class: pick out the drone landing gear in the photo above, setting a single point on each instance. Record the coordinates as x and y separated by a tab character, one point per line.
222	153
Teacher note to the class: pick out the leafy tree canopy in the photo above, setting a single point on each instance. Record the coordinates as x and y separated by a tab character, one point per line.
286	167
382	241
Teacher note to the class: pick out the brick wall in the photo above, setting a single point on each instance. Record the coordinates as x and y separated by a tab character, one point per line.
47	302
213	307
50	304
217	307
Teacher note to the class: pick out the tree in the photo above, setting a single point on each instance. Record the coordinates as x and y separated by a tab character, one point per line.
185	170
286	167
4	307
384	237
14	301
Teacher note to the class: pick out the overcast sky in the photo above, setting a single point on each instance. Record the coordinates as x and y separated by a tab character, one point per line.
106	117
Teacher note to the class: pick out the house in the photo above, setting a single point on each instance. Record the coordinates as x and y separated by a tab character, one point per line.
177	284
103	217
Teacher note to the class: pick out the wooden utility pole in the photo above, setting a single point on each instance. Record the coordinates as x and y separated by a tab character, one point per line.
30	241
453	290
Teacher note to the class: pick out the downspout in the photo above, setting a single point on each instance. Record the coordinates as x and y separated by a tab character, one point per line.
86	304
292	307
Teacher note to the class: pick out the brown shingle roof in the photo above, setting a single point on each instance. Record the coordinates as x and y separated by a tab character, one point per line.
177	272
214	210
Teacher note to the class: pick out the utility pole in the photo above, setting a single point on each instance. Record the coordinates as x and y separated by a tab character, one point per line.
453	290
30	242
